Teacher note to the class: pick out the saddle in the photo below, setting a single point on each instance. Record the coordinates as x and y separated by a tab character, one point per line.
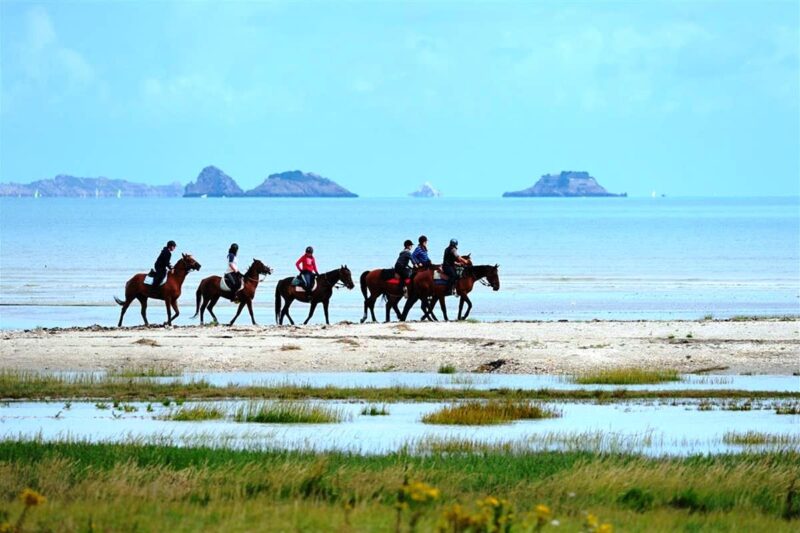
150	277
297	283
229	283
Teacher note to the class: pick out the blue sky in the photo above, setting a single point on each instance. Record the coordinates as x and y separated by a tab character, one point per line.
479	98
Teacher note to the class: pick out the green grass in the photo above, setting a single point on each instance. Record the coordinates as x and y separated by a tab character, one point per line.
788	409
757	438
126	487
144	371
196	413
476	413
40	386
447	369
374	410
270	412
627	376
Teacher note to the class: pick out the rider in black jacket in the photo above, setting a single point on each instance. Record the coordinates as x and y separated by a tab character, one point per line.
163	263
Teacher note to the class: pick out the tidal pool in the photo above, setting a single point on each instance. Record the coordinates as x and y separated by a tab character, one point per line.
653	428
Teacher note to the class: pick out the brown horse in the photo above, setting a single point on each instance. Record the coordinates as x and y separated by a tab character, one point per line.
170	291
209	292
321	294
374	285
424	286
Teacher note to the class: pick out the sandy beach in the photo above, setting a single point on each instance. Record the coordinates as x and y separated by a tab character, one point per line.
735	347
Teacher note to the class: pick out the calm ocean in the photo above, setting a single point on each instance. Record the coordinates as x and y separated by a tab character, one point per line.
62	260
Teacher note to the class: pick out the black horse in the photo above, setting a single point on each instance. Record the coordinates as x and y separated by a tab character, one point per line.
321	294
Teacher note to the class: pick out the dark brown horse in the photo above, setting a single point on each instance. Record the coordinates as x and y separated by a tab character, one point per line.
209	292
321	294
374	285
425	286
170	291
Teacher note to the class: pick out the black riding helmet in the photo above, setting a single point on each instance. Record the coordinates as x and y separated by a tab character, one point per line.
408	243
170	244
309	250
233	249
453	242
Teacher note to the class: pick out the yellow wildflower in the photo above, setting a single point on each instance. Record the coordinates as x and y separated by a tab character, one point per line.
6	527
543	512
31	498
592	521
490	501
605	528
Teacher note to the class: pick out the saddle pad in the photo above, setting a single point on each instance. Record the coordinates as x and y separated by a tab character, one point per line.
224	286
438	275
300	288
395	281
148	280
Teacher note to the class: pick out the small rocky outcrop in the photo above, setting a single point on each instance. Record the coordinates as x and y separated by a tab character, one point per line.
567	184
426	191
72	186
294	184
214	183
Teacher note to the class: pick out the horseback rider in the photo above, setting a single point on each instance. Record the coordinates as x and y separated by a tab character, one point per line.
402	267
163	264
420	255
308	268
449	262
233	277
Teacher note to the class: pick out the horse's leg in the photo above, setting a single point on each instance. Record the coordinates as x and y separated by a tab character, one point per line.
388	308
444	308
122	312
311	311
460	307
169	311
369	303
250	309
285	312
175	308
465	298
238	311
211	305
409	304
325	308
203	309
143	302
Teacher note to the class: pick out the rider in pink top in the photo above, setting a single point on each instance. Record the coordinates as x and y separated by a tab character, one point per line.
308	268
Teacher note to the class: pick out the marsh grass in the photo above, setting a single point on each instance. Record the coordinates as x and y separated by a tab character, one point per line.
196	413
32	386
172	488
626	376
144	371
757	438
271	412
374	410
476	413
447	369
788	409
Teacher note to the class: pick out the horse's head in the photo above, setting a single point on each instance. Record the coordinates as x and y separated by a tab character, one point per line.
346	277
260	268
467	258
493	277
190	262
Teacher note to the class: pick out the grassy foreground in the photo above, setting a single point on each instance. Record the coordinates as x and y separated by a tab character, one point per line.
126	487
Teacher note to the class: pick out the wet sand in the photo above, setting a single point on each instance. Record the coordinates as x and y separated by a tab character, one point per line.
736	347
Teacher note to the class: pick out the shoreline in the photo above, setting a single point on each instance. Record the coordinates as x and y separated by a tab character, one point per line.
757	346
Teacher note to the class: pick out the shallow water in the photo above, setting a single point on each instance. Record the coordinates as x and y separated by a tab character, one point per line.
641	427
64	259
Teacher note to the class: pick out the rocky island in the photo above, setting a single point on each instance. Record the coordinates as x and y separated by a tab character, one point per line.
214	183
426	191
295	183
567	184
75	187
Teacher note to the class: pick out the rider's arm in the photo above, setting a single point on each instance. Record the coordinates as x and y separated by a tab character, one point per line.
299	264
314	266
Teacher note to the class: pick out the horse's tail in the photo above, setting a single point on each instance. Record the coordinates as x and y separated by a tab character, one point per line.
198	296
278	287
364	283
119	302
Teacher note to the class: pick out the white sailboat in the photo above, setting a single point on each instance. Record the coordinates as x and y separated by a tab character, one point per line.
119	193
36	194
